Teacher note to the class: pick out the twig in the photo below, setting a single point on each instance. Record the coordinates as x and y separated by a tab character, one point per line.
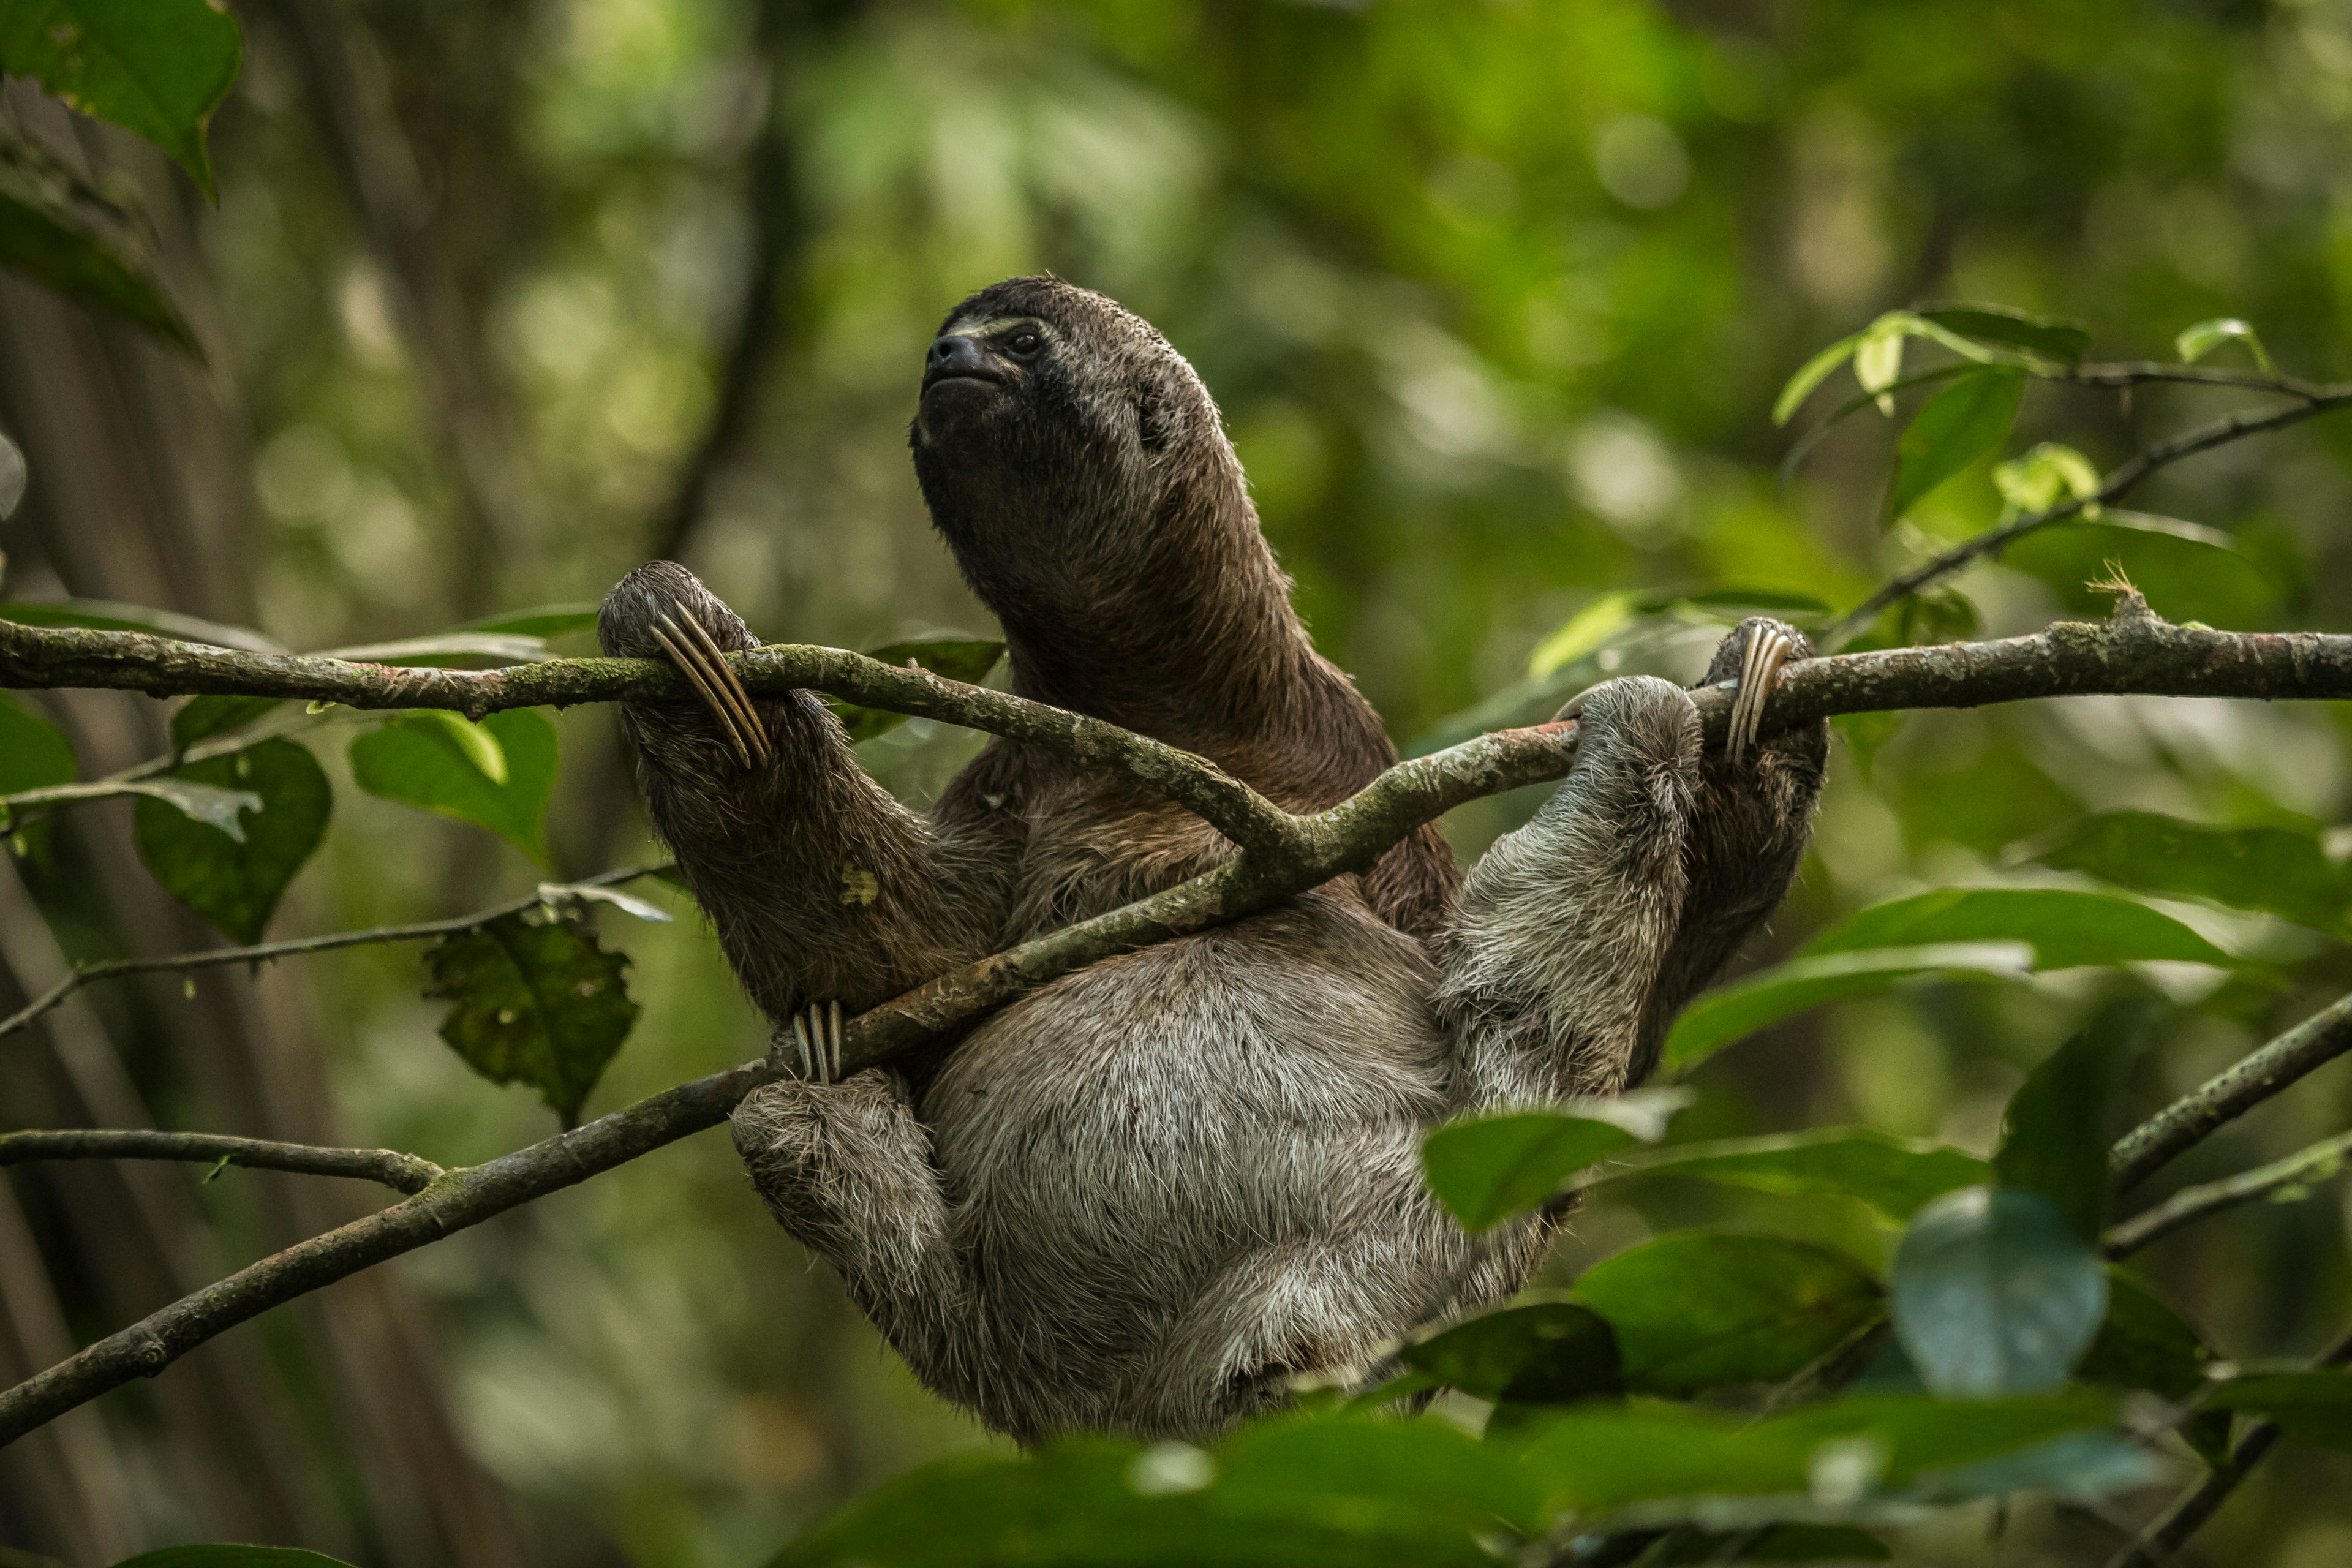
2309	401
401	1172
259	953
2190	1205
2166	1534
2187	1121
2137	373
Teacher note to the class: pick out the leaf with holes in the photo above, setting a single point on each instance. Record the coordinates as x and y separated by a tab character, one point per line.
1697	1310
235	882
537	1002
437	763
967	660
158	68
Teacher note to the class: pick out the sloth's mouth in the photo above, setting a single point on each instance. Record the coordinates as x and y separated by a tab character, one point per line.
968	377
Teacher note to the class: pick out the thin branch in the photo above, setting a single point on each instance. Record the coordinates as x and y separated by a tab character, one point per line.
261	953
2188	1120
2159	1544
2190	1205
2309	401
2141	372
400	1173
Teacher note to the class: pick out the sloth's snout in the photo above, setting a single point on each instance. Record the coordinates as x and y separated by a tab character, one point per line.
956	354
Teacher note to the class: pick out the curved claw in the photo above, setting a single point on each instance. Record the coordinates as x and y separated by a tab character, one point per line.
1759	672
692	648
816	1036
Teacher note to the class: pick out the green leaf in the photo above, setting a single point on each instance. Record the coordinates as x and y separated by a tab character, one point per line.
2282	870
2067	927
223	1556
1964	423
236	884
2053	1134
1595	1457
958	658
1487	1168
1736	1011
2186	571
2144	1345
1878	356
1776	1543
1995	1293
1894	1176
67	236
1582	632
201	718
158	68
542	621
105	615
207	804
34	752
1814	372
421	760
537	1002
2045	475
2049	336
2196	341
2312	1407
470	741
1546	1352
1696	1311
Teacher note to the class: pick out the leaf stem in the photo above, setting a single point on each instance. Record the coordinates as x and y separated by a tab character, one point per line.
2318	1163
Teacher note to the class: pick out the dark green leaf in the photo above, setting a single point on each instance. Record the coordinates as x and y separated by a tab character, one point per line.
105	615
540	621
2053	1134
2046	335
957	659
34	752
158	68
1778	1543
1546	1352
1487	1168
1598	1455
2081	1465
64	234
1961	424
537	1002
1893	1175
223	1556
234	884
1736	1011
2144	1345
2282	870
1995	1293
417	761
2187	573
201	718
1696	1311
2066	928
2312	1407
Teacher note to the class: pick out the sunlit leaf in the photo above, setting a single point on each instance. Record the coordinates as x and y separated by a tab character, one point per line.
2285	871
64	235
1995	1293
2198	341
34	752
2054	1137
418	760
2044	475
1809	375
158	68
2053	338
1582	632
2313	1406
1546	1352
1878	357
958	658
201	718
1736	1011
235	882
537	1002
1487	1168
1695	1311
2067	927
1894	1176
102	615
1959	426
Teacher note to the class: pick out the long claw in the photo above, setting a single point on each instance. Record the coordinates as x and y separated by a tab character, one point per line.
689	660
755	734
800	1041
1759	672
833	1028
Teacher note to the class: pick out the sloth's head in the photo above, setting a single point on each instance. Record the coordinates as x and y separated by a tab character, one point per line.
1075	464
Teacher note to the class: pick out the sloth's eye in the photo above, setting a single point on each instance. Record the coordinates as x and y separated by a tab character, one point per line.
1024	344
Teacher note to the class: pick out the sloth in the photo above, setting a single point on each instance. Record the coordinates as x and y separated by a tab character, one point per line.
1148	1197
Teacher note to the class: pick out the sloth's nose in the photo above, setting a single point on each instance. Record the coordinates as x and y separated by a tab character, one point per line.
954	356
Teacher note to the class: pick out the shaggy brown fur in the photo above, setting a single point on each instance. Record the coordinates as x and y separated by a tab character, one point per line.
1146	1194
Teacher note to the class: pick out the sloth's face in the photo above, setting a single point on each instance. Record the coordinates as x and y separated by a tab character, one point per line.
978	369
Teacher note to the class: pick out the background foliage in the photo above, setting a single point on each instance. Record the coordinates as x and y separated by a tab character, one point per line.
499	299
